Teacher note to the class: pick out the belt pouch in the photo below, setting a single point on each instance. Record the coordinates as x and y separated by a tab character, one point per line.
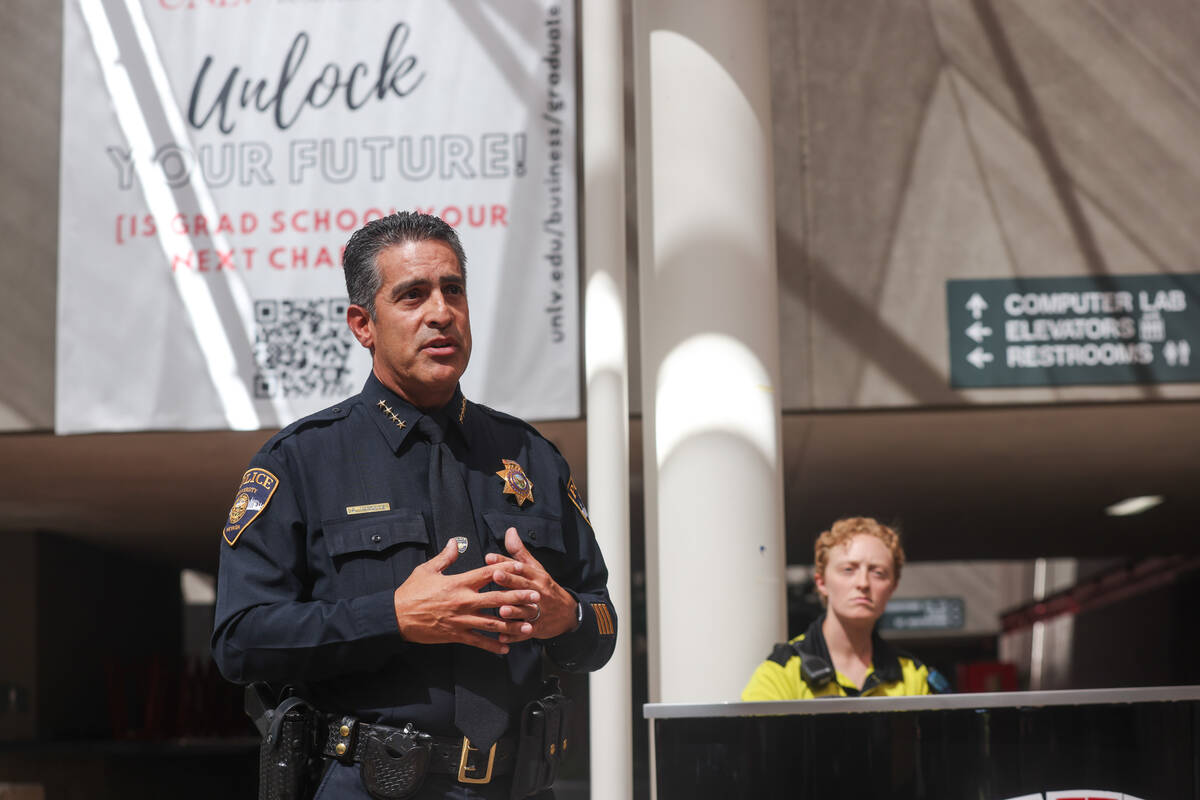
544	740
394	766
286	762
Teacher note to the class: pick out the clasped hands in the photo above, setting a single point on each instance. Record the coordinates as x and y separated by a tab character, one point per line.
435	608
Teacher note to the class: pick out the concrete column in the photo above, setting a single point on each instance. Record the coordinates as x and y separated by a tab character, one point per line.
606	363
710	345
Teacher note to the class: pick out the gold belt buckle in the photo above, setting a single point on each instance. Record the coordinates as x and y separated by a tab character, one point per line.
462	763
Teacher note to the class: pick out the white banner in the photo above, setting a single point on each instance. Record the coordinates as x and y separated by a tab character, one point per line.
217	154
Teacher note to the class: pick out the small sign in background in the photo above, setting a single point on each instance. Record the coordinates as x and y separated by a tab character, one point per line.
1142	329
924	614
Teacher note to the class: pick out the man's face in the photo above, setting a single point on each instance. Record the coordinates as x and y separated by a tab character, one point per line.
420	338
859	579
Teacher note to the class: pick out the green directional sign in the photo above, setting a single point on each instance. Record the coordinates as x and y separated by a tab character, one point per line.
1110	329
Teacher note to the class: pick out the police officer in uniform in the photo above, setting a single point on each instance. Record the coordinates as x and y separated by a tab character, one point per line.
406	556
857	567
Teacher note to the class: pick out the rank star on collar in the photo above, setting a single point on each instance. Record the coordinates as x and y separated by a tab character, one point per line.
387	410
515	482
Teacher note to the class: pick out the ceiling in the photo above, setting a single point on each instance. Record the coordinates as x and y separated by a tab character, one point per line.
973	483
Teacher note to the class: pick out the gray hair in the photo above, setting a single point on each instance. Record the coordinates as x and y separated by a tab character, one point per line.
360	259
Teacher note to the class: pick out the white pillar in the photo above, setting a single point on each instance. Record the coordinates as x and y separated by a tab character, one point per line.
710	345
605	359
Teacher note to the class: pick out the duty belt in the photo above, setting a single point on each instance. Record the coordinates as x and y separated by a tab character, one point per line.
348	741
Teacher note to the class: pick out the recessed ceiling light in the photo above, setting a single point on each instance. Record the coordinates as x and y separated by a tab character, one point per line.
1133	505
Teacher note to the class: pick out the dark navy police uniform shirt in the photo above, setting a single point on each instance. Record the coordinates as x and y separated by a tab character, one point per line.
334	513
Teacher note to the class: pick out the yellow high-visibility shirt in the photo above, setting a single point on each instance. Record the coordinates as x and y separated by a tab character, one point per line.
802	669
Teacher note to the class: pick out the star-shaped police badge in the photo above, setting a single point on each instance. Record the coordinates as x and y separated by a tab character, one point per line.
515	482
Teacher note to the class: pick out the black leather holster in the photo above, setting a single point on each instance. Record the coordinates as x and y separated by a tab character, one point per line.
289	758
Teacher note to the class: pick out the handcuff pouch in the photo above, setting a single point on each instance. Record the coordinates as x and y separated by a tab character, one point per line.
543	742
394	767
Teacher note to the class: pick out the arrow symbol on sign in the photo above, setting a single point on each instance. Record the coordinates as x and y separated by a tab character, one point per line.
976	305
978	331
979	357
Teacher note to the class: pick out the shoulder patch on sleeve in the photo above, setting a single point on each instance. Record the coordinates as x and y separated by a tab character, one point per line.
252	497
573	493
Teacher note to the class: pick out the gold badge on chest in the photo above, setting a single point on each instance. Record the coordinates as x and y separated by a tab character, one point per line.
515	482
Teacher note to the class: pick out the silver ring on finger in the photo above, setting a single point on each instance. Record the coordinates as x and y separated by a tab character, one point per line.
536	616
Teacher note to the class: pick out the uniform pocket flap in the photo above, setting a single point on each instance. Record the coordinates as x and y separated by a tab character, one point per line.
534	531
375	533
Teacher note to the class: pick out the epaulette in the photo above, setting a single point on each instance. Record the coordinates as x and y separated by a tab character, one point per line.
316	419
495	413
518	422
936	680
504	417
916	662
781	654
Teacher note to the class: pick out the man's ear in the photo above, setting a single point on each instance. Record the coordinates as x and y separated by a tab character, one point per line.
819	580
361	325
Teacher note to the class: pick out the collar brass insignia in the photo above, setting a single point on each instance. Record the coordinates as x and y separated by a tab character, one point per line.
515	482
387	410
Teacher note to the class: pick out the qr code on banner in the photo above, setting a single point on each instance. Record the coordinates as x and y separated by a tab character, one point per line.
301	347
